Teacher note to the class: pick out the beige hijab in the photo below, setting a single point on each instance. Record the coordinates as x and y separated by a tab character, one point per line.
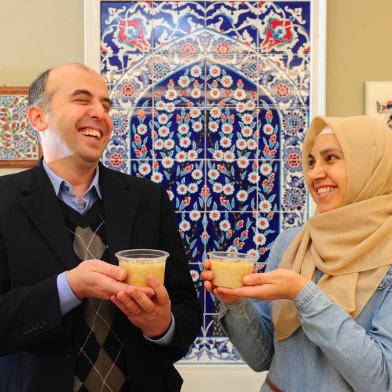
351	245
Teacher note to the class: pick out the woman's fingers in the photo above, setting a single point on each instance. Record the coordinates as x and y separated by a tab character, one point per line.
207	264
207	275
255	279
208	285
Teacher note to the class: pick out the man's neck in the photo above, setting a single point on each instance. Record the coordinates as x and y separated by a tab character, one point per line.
79	175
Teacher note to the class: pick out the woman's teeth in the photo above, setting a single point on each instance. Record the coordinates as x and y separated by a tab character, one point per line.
324	190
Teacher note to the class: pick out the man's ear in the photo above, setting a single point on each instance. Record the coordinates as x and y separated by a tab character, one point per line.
37	117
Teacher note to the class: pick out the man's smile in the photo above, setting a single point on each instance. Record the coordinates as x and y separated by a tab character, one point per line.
91	132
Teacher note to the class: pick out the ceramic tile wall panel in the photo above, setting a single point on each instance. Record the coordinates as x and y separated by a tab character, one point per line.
211	99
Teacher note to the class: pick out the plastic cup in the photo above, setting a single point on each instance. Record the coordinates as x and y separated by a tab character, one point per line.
229	268
142	262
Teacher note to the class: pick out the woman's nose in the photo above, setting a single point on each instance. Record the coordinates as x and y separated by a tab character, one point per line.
317	171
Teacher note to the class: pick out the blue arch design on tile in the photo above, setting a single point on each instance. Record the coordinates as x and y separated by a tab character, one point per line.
266	74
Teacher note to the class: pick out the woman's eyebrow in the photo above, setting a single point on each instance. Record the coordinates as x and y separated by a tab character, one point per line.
330	149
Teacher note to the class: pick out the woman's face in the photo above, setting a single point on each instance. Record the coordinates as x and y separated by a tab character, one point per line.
326	177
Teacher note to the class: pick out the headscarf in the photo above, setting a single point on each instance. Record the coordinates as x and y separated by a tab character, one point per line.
351	245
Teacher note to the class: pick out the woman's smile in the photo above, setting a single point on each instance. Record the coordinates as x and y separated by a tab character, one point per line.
326	175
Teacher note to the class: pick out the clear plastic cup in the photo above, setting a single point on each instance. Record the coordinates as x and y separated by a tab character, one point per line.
142	262
229	268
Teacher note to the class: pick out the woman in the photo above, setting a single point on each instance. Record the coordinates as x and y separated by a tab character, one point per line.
320	316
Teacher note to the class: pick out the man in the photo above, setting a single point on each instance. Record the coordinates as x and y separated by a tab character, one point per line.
69	322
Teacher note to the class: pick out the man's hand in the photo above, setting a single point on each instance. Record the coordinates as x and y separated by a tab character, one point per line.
278	284
207	276
96	279
148	310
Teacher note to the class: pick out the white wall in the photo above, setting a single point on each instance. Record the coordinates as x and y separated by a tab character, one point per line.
220	378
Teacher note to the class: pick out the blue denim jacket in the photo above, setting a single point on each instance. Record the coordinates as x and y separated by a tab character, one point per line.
330	352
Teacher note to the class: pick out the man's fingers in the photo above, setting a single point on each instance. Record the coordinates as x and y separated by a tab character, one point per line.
106	286
129	303
148	291
161	294
113	271
140	299
119	304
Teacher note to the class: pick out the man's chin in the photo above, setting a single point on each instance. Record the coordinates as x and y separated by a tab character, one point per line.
91	160
91	155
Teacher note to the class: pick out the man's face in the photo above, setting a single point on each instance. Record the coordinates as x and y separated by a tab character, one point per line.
78	123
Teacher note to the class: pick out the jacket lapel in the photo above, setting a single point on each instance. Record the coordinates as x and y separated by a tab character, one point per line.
41	205
120	206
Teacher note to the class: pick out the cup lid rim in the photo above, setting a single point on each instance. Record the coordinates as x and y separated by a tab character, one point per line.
150	252
240	255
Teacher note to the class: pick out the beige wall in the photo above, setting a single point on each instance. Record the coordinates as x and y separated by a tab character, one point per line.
38	34
358	49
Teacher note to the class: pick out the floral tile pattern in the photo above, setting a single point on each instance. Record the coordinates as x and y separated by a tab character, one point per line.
237	20
174	21
211	99
18	141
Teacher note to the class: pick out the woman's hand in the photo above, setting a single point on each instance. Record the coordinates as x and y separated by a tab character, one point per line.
278	284
207	276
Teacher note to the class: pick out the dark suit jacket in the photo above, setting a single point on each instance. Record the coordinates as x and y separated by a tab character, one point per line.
36	344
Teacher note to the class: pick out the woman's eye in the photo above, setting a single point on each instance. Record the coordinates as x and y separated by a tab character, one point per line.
332	157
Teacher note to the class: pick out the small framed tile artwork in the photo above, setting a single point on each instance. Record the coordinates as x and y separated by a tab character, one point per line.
378	100
19	143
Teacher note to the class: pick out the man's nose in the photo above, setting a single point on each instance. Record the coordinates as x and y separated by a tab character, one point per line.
97	111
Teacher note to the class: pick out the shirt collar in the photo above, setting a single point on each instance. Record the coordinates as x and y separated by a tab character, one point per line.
57	181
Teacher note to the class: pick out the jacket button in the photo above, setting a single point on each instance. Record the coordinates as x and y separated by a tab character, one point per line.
27	329
69	353
42	324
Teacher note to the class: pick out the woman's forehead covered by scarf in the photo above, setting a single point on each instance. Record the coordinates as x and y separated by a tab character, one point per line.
367	147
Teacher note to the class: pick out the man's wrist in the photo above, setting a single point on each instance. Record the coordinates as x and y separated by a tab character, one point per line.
167	337
67	298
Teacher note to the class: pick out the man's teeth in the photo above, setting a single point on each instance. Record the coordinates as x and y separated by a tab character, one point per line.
91	132
325	190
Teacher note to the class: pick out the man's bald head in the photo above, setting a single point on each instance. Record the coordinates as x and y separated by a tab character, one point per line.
38	93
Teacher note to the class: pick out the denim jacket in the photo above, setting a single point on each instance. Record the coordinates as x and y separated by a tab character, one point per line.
330	352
